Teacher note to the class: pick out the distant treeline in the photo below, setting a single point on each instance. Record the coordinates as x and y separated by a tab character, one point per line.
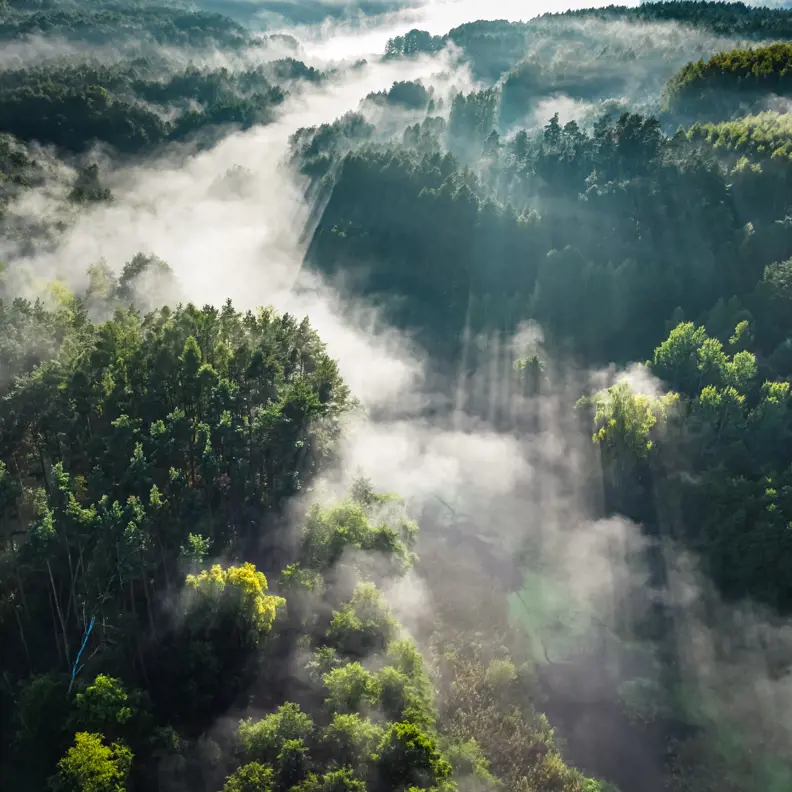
496	47
732	83
133	107
118	23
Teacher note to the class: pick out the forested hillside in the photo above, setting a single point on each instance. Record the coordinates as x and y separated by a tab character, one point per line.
73	107
117	23
415	421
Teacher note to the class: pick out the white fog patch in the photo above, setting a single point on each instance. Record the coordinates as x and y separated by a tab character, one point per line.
439	17
241	241
362	36
410	602
637	375
567	108
417	459
736	659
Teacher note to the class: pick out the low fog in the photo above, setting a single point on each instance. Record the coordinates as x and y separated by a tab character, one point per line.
365	34
237	240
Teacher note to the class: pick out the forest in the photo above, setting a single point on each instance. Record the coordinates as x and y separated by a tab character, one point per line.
395	420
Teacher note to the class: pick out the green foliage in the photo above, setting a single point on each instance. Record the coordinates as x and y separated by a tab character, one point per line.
315	148
239	592
378	526
486	723
724	84
91	766
291	764
574	52
342	780
408	757
469	764
363	625
19	170
88	187
196	549
632	277
124	104
592	785
413	43
405	691
689	360
395	695
624	420
765	136
180	425
500	673
104	707
133	439
210	658
107	22
472	118
352	739
295	578
723	18
252	777
735	501
412	95
264	740
678	361
350	688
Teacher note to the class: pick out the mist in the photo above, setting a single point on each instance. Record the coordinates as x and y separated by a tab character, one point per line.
366	34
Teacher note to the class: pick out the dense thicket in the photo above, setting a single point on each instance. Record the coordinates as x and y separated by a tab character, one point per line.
684	231
731	83
764	137
563	48
132	451
132	107
118	23
726	18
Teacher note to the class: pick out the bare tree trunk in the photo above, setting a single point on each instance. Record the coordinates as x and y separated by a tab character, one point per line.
18	575
148	607
143	665
164	561
43	468
60	614
72	584
24	640
132	598
58	644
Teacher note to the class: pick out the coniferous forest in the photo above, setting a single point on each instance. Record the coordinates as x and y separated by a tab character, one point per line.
389	403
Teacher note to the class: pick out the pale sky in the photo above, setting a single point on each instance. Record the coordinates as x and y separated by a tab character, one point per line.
334	40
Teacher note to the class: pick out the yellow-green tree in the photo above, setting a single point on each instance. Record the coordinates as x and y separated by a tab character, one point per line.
92	766
241	590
